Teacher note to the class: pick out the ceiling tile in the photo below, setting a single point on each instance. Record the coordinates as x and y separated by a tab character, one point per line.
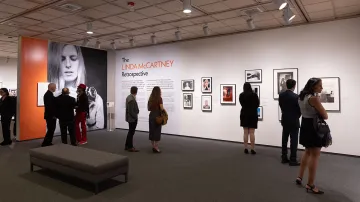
205	19
138	4
308	2
65	39
115	20
5	15
64	22
110	9
182	23
216	7
88	3
130	33
73	30
79	36
241	27
151	11
132	16
20	3
149	22
263	16
344	3
10	9
193	28
143	37
216	24
168	17
203	2
102	31
26	21
319	7
347	11
234	21
147	30
92	13
53	12
171	6
132	25
99	24
51	25
75	18
238	4
268	23
322	15
47	36
39	28
163	27
225	30
40	16
23	32
60	33
116	28
226	15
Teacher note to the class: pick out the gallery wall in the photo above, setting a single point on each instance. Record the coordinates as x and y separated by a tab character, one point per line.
8	69
330	49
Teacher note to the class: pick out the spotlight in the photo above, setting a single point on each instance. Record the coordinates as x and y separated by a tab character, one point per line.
132	42
89	28
187	6
206	30
98	44
85	42
113	45
281	4
288	15
153	39
250	23
178	35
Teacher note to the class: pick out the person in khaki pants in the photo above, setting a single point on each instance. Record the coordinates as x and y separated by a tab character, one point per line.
131	116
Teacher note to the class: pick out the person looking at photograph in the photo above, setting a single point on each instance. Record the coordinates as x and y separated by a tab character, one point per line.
289	105
131	116
66	68
50	114
310	107
249	116
82	112
7	111
155	106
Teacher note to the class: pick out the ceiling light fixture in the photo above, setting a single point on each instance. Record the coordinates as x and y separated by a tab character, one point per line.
153	39
178	35
288	15
206	30
281	4
98	44
187	6
85	42
113	45
89	28
250	23
132	42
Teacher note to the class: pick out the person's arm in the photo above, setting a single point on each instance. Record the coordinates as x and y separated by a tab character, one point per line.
315	102
241	100
161	105
297	106
257	101
281	104
132	109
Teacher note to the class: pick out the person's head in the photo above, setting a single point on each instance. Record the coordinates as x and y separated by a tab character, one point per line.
4	92
65	91
66	65
81	88
133	90
52	87
290	84
314	85
155	94
247	88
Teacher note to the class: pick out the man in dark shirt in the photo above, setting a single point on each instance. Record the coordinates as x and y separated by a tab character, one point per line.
131	116
50	114
291	113
65	113
7	111
82	112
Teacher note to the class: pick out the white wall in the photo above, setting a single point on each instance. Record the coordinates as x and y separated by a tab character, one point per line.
8	73
329	49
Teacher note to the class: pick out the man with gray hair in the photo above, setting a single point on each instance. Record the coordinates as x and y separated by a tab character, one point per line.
50	114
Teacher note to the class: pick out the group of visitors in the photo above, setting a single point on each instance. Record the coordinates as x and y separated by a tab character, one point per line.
306	105
62	108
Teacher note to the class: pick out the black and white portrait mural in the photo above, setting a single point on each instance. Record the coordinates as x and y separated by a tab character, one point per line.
69	66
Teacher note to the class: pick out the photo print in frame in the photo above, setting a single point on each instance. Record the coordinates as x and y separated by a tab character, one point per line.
260	113
253	76
330	95
228	94
188	100
206	103
280	76
206	84
187	85
256	89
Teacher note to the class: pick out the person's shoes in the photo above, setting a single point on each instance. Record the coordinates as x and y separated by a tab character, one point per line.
132	150
5	143
312	189
82	142
298	181
246	151
294	163
284	159
253	152
156	151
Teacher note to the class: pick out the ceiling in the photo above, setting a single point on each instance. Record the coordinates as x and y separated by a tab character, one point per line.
113	20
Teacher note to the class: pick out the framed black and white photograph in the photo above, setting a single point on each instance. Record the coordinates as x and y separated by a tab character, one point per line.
228	94
330	95
206	103
256	89
206	84
253	76
188	100
187	85
280	78
260	113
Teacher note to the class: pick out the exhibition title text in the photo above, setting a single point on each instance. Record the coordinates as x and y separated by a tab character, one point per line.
146	65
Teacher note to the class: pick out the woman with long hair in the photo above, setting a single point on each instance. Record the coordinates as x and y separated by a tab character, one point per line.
155	106
249	116
66	68
311	108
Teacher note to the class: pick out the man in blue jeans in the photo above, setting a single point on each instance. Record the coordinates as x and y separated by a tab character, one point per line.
290	109
131	116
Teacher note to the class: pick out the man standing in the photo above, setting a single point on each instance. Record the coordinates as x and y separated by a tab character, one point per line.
65	106
132	111
82	112
290	109
7	111
50	114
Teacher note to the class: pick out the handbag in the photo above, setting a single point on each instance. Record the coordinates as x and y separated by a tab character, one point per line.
162	119
323	131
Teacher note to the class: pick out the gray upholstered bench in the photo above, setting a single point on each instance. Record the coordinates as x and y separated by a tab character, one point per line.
86	164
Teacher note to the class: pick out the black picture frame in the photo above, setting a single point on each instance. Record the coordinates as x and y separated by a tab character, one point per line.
327	105
202	106
256	87
191	100
276	84
202	85
247	79
260	113
192	85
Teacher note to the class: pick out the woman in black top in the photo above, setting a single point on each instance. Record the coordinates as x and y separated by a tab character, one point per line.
249	116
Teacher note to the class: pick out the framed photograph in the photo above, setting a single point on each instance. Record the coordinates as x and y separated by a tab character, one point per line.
228	94
330	95
260	113
206	84
42	88
188	100
206	103
187	85
280	78
279	113
253	76
256	89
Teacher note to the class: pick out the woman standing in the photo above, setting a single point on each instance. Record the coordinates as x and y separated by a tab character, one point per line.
82	111
249	116
155	106
310	107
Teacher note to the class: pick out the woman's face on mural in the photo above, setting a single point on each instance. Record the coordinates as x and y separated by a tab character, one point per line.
69	63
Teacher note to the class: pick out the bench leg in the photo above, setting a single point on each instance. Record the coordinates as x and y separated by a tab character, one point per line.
126	177
31	167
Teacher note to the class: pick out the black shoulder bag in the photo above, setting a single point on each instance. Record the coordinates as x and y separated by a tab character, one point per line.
323	131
